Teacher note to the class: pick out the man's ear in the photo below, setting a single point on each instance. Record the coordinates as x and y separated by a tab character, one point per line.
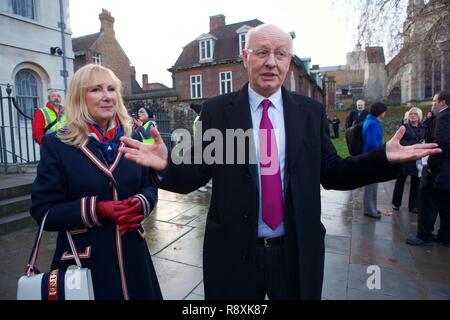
245	57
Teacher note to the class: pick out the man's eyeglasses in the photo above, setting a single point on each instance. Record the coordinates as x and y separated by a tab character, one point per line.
279	54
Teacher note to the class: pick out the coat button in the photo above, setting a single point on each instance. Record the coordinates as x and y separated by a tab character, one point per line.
244	257
110	184
245	215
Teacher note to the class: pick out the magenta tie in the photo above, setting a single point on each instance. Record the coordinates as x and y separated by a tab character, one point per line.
272	197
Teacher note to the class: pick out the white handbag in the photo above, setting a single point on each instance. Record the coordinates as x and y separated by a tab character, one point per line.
74	283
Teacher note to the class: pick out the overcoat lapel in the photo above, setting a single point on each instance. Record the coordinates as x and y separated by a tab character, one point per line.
239	117
295	116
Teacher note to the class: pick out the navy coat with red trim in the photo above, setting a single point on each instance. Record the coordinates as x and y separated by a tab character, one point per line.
69	183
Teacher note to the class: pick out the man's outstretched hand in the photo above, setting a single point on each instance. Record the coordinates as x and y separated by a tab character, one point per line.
154	155
396	153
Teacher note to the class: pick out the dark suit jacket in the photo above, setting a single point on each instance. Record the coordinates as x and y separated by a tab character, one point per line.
439	164
230	242
353	117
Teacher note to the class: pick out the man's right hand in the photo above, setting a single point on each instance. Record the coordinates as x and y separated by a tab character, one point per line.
154	155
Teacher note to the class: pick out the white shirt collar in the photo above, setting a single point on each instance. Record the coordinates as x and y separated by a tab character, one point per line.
446	107
255	99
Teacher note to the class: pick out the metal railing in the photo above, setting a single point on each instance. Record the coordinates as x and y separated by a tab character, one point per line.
16	139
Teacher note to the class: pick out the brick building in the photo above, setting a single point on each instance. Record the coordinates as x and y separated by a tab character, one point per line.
104	49
212	64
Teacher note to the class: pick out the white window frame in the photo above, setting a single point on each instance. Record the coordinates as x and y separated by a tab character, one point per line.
196	86
226	85
28	92
97	58
242	37
208	44
26	8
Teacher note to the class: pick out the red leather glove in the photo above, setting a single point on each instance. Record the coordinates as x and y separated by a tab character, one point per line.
127	214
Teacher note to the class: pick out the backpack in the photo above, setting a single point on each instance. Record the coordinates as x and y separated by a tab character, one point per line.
354	138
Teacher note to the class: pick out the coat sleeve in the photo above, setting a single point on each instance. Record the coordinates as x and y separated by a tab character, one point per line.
48	195
38	126
353	172
187	177
148	194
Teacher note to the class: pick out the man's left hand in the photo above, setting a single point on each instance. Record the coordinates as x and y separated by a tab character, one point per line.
396	153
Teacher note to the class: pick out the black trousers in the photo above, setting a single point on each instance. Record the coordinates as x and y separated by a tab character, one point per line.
413	192
336	132
271	274
431	202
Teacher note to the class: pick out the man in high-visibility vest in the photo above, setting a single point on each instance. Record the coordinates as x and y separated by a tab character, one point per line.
49	118
144	130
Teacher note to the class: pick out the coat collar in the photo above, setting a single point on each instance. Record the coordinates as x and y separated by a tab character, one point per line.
91	151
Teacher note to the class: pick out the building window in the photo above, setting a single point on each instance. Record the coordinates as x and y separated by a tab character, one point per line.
27	92
97	58
24	8
226	84
196	87
293	81
241	42
206	50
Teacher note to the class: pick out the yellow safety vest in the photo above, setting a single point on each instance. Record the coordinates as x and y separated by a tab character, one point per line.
147	140
50	117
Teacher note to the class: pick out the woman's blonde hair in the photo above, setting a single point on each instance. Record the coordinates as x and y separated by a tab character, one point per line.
75	132
419	112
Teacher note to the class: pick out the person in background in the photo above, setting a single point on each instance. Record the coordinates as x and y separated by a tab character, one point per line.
85	186
49	118
358	115
143	125
373	139
435	183
335	123
415	133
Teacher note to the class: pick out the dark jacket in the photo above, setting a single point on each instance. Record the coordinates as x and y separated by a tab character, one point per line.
439	164
412	136
69	183
355	116
230	242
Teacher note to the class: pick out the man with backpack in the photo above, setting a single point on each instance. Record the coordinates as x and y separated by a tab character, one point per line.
358	115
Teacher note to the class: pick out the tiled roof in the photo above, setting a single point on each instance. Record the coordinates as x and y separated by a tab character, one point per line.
226	46
84	42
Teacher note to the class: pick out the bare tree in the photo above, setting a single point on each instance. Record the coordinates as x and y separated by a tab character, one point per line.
388	23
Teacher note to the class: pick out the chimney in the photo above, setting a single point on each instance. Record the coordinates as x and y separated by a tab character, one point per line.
144	81
133	72
216	21
107	22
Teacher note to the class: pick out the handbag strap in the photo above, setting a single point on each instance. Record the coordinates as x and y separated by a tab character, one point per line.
37	244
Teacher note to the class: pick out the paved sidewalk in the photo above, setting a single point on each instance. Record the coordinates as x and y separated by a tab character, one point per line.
353	243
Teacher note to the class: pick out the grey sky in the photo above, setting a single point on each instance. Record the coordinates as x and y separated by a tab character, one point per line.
152	33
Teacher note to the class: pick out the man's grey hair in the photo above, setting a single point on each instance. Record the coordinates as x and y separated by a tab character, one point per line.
51	91
253	30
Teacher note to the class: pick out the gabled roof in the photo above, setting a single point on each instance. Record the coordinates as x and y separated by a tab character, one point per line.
226	45
84	42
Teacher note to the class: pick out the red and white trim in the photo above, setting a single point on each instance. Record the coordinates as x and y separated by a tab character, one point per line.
121	267
94	211
146	208
82	255
84	216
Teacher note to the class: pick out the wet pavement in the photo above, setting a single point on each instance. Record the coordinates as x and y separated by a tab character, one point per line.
354	243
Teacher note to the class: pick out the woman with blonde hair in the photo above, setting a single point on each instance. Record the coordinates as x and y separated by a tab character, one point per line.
415	133
85	185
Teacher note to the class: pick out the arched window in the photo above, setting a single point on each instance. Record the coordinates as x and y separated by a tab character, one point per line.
24	8
27	92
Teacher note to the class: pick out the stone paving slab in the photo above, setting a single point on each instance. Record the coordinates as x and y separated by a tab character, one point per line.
353	243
